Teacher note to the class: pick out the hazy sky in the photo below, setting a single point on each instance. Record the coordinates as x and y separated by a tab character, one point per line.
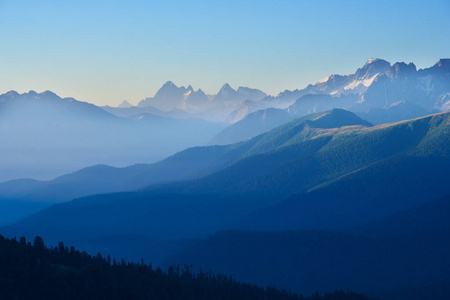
106	51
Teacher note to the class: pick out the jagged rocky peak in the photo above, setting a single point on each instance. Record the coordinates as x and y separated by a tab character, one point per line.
443	63
372	67
227	95
169	83
251	94
442	67
401	70
31	93
377	61
166	98
11	94
194	101
170	86
200	91
167	86
226	87
225	91
48	93
170	89
334	79
125	104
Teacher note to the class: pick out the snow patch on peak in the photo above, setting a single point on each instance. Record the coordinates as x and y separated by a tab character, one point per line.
324	80
352	85
378	61
443	62
186	95
365	82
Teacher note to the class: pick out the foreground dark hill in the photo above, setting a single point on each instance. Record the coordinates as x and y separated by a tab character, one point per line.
313	260
35	272
302	175
428	217
297	177
397	255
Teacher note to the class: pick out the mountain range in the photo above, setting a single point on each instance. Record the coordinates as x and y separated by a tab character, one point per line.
341	185
171	98
331	179
323	150
43	136
376	85
188	164
378	92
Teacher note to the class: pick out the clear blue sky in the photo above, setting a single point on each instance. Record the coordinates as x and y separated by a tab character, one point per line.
106	51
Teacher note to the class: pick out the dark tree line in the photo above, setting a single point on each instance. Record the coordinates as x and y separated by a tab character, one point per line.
33	271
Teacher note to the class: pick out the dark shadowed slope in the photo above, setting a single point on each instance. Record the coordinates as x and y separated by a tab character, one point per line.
36	272
380	164
414	170
308	261
402	256
427	217
351	176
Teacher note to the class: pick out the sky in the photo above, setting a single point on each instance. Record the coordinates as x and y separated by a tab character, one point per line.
105	52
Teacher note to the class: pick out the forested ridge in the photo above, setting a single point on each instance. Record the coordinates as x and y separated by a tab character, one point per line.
34	271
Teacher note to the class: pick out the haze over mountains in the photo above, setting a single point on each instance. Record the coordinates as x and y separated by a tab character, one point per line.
318	156
31	123
43	135
377	84
309	190
188	164
328	171
213	108
378	91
